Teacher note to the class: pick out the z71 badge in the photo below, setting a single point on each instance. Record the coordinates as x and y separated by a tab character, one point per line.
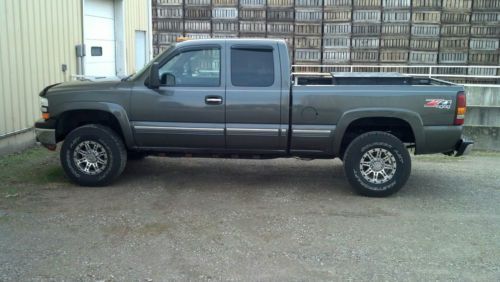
438	103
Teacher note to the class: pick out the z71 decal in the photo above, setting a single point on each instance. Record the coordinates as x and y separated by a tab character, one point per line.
438	103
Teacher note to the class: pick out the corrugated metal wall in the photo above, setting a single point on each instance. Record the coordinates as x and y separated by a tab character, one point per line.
36	38
137	17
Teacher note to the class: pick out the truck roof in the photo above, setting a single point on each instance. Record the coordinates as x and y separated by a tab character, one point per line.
231	40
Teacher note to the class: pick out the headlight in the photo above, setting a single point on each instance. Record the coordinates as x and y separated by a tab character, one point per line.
44	105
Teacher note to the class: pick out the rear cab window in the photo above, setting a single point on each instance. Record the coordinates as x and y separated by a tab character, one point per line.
252	66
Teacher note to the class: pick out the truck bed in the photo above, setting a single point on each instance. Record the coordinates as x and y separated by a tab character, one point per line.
327	103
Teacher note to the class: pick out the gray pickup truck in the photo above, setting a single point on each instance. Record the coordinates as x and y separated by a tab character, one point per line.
237	98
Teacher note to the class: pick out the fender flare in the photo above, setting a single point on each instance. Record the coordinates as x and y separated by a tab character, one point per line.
115	109
412	118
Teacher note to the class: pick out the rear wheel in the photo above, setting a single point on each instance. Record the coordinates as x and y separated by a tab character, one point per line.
377	164
93	155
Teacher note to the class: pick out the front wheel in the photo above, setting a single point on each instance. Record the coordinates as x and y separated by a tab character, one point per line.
93	155
377	164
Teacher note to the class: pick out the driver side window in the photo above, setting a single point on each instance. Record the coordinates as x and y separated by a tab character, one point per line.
198	68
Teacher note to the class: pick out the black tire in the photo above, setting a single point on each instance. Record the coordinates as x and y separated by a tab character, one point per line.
380	175
93	138
136	156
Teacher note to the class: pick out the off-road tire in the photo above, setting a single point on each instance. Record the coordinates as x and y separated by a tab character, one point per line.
374	142
109	140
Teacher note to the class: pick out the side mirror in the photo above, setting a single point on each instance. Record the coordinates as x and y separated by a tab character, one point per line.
167	79
154	76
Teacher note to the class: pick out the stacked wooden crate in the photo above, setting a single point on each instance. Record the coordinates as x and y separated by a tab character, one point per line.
342	32
366	30
280	21
395	38
485	34
252	17
455	34
425	30
337	30
224	18
168	16
308	31
197	15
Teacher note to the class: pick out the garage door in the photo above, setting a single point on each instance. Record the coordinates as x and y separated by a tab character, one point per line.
99	34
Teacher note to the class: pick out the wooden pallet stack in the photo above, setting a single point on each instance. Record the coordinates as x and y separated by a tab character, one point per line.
485	34
342	32
280	21
337	31
252	18
425	32
308	31
225	22
455	35
366	31
197	15
168	23
395	39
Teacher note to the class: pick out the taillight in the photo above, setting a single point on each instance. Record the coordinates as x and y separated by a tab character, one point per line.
461	108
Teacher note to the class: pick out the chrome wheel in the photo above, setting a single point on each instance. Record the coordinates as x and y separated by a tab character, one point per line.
90	157
378	166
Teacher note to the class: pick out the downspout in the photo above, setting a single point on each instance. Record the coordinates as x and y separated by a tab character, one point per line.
80	59
150	31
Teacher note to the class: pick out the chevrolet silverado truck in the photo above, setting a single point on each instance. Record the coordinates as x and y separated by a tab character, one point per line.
238	98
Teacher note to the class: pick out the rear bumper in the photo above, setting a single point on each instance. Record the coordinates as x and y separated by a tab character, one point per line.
463	147
46	133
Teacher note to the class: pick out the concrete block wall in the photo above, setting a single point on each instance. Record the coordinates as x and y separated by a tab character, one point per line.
482	121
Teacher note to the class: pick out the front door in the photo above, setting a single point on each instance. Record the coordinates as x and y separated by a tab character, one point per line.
187	111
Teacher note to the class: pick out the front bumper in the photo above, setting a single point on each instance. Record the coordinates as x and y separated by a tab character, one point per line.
46	133
463	147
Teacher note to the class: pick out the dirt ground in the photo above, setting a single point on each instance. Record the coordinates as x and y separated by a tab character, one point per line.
216	219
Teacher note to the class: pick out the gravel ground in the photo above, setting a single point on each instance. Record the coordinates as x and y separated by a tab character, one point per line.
215	219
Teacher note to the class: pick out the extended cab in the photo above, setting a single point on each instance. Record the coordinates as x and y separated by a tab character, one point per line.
238	98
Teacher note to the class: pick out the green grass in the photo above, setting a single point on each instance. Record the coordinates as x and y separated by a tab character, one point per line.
4	219
33	167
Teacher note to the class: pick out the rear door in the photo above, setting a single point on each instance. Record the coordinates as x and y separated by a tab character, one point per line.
253	98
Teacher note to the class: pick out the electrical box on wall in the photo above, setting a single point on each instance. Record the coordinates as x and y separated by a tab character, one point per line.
80	50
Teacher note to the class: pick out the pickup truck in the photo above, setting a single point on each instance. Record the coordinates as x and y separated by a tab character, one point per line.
238	98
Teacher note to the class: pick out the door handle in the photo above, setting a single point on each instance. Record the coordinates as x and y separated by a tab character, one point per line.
213	100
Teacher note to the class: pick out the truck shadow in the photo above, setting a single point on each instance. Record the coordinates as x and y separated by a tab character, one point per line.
230	174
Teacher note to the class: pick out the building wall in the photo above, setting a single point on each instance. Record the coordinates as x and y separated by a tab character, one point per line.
137	17
401	32
36	38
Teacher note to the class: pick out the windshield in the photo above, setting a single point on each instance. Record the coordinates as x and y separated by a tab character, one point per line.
146	67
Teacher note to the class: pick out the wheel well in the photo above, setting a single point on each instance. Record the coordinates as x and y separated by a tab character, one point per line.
70	120
395	126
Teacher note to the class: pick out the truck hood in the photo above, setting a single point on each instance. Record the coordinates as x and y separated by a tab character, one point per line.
82	86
